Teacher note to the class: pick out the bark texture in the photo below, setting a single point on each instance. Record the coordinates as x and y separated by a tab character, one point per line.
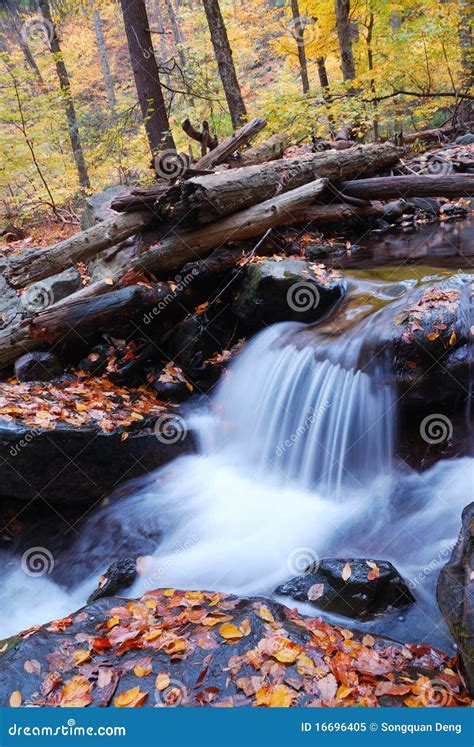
343	26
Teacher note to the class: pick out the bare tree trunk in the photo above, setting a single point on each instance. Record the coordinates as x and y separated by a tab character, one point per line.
298	34
323	75
147	78
15	21
225	63
158	13
64	83
467	60
177	33
104	61
342	8
370	65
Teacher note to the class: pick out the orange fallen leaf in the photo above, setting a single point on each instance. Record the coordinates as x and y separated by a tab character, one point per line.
274	696
76	692
15	699
265	614
133	698
230	631
81	655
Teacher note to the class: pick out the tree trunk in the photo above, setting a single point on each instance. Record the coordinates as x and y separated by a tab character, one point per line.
161	30
147	78
323	75
104	61
42	263
64	83
464	112
15	22
386	187
225	149
176	29
342	8
370	65
205	198
335	213
225	63
298	34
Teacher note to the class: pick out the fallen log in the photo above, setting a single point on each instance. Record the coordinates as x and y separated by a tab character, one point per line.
87	316
335	213
31	266
228	146
386	187
269	150
208	198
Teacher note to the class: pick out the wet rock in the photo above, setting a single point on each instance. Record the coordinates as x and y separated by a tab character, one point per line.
263	654
9	304
426	205
431	344
118	577
170	391
38	367
455	594
467	139
197	337
288	290
395	209
79	465
352	587
314	251
95	363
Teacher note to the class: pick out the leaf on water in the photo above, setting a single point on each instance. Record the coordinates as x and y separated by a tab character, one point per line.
315	592
346	572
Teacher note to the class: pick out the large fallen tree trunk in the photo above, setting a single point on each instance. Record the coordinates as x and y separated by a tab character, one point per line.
98	314
335	213
207	198
386	187
36	265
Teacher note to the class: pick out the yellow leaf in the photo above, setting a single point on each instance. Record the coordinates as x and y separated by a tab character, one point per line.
343	691
81	655
133	698
143	671
112	622
15	699
288	651
453	338
433	336
346	572
230	631
265	614
162	681
274	696
174	647
153	634
109	280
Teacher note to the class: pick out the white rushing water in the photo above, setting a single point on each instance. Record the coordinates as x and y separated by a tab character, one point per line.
296	462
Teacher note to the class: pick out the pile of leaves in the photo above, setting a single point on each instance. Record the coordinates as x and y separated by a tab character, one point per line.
79	402
196	648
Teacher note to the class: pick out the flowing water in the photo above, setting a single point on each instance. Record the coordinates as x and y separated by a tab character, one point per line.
296	460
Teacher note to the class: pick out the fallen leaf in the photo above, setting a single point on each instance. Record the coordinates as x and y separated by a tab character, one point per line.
133	698
230	631
15	699
162	681
315	592
274	696
346	572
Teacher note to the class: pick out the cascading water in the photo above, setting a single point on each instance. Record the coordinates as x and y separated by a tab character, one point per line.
296	461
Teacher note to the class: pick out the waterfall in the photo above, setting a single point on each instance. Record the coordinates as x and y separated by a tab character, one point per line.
309	416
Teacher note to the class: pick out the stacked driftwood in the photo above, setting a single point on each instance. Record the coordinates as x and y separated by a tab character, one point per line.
199	207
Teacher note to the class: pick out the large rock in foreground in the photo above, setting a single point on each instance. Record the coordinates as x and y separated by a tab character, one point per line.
289	290
196	648
455	594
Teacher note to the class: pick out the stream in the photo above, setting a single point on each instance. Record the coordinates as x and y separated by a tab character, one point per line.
297	460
